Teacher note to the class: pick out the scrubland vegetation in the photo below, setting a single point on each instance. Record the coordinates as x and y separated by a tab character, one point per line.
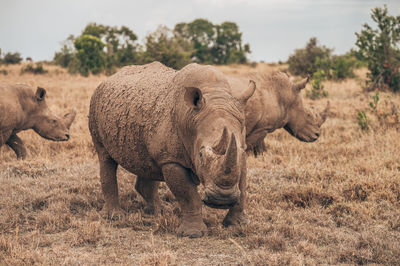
334	201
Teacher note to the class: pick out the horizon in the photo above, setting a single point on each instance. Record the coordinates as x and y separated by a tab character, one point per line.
272	38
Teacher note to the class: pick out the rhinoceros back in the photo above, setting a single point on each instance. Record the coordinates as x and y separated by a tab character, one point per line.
126	111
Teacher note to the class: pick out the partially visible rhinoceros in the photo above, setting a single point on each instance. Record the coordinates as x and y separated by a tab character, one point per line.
21	109
182	127
277	103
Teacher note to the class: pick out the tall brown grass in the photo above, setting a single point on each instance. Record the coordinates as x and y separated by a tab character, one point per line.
334	201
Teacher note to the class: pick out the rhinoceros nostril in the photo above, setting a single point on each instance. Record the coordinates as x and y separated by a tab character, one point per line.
67	136
317	134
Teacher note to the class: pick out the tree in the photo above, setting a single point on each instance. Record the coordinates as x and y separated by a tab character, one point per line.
380	48
201	34
120	43
170	50
214	44
65	57
12	58
89	52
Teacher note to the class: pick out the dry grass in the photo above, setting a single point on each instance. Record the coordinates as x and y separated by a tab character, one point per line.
335	201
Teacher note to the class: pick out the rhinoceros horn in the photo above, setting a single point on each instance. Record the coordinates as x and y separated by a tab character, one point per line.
69	118
324	114
247	93
222	144
231	155
301	84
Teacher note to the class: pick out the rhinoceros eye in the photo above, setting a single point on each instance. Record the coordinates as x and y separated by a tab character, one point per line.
201	155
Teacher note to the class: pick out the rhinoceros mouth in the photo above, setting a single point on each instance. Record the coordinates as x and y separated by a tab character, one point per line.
55	139
218	206
217	202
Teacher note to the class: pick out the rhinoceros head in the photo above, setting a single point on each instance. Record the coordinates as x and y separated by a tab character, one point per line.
48	125
211	124
301	123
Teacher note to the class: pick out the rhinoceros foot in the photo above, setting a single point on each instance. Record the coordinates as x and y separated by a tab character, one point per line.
234	218
115	213
151	210
191	230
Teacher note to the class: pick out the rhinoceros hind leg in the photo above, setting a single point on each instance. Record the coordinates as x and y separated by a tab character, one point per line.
109	185
18	146
179	182
148	189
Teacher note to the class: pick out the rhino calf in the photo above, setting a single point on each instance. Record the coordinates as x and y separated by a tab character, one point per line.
22	109
182	127
277	103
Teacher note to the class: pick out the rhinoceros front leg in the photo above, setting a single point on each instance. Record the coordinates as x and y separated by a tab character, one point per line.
109	185
185	192
236	214
18	146
148	189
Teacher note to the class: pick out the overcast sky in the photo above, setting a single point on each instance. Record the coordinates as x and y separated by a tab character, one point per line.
273	28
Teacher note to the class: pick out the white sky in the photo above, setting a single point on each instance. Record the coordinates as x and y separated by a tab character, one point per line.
274	28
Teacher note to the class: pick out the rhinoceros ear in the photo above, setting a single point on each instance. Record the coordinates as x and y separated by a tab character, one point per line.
248	92
301	84
194	98
40	94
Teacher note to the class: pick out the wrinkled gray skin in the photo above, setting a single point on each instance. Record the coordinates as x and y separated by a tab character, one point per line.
277	103
21	109
182	127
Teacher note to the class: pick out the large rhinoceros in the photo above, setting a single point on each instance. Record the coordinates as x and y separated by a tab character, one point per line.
22	109
277	103
182	127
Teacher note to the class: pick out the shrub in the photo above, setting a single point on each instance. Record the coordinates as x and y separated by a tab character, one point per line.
380	48
162	46
310	59
37	69
12	58
363	120
343	67
317	90
90	54
313	58
4	72
67	54
386	115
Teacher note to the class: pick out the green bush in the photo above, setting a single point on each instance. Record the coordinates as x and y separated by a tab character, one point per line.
4	72
362	120
383	116
314	58
162	46
67	54
12	58
37	69
380	48
310	59
317	90
90	54
343	67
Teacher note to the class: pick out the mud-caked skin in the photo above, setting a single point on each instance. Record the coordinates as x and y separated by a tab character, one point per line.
277	103
182	127
21	108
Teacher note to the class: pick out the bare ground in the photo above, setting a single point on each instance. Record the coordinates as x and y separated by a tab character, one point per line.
334	201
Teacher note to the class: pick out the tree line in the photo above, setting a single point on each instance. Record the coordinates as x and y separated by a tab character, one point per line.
100	48
103	48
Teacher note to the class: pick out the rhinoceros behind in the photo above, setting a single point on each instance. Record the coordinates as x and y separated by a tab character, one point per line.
182	127
277	103
22	109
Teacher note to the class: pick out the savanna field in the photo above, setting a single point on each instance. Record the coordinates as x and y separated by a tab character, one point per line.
334	201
